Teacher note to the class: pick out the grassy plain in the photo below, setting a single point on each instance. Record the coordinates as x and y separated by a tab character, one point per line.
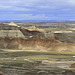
18	58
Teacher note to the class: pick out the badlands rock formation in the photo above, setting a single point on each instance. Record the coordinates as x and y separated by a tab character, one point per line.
35	44
14	37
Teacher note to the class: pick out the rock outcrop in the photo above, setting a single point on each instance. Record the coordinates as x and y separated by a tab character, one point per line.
35	44
14	37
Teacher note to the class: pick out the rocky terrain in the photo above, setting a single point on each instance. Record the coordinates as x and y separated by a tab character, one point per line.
13	36
36	63
37	50
15	72
35	44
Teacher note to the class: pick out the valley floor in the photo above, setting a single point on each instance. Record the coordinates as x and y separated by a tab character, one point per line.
32	62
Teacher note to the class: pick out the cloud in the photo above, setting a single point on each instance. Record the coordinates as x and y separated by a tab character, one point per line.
27	5
35	17
35	4
27	17
37	9
71	2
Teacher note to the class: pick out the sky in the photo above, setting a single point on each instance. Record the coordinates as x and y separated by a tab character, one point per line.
52	10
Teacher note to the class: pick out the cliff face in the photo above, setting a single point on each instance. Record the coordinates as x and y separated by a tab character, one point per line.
35	44
33	34
21	43
14	37
15	31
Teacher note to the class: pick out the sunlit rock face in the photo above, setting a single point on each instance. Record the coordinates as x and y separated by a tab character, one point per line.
14	31
35	44
14	37
21	43
7	30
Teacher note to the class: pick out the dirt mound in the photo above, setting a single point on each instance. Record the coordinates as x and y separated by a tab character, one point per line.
35	44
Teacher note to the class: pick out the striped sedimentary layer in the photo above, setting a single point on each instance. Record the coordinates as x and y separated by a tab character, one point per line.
35	44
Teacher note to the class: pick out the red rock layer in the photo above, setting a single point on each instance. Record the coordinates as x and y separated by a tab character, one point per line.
34	44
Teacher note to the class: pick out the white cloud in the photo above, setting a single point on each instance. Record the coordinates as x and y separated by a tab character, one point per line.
38	9
35	4
71	1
